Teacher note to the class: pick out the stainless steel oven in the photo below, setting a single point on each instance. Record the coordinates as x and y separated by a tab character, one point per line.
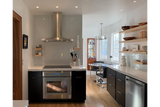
57	85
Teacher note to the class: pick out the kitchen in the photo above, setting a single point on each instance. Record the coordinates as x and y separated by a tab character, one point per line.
32	26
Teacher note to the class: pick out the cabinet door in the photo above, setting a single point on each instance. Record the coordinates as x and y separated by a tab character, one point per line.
78	85
34	86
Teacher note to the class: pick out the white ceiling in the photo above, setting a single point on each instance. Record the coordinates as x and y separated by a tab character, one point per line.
100	10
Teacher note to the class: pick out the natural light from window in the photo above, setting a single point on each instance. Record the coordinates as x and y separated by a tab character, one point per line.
103	48
115	47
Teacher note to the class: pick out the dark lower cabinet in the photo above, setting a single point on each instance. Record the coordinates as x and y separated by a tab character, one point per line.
79	86
116	86
35	86
35	89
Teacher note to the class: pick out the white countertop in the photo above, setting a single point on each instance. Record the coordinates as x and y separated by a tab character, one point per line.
132	72
73	68
20	103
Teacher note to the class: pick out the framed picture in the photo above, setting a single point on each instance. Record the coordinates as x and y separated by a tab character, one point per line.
25	41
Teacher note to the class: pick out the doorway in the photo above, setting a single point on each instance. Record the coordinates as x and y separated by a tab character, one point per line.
17	56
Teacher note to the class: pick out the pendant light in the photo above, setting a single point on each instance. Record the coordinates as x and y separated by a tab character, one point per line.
101	37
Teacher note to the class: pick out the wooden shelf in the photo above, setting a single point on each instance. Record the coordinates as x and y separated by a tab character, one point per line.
38	48
132	52
134	40
141	63
38	55
134	29
76	48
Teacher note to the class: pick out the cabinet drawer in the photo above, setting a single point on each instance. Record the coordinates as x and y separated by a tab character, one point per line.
111	72
120	98
111	80
120	85
35	73
120	76
111	90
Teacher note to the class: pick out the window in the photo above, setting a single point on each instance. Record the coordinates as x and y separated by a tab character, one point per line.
115	47
103	50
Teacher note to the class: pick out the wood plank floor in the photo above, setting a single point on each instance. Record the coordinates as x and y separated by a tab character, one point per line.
96	97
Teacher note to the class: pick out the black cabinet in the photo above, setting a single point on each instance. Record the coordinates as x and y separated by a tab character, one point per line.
120	88
34	86
78	85
111	82
116	86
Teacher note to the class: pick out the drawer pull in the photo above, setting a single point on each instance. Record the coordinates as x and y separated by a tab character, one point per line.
119	92
78	77
110	74
118	79
110	84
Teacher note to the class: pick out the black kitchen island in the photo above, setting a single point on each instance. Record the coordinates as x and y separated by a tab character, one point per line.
69	88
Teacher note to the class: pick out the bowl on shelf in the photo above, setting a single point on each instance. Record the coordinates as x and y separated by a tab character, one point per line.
133	26
144	48
128	38
142	23
125	27
138	60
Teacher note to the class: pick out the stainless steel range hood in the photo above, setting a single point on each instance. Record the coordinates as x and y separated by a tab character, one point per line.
57	27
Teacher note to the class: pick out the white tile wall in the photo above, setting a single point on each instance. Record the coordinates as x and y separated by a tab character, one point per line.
71	27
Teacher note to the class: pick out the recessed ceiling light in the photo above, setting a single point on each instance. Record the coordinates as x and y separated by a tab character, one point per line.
56	6
134	1
37	7
76	6
121	9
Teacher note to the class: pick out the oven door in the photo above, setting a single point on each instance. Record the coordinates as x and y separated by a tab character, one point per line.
57	87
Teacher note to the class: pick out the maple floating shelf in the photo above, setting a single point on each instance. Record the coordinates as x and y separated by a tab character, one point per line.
132	52
38	48
134	29
134	40
38	55
141	63
76	48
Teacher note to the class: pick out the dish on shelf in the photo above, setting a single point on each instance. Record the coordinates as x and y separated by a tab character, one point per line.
144	48
128	38
127	49
133	26
138	60
125	27
142	23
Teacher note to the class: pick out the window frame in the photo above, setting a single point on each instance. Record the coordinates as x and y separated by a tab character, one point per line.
100	53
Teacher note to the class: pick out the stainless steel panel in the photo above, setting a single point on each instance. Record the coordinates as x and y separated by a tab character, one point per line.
134	93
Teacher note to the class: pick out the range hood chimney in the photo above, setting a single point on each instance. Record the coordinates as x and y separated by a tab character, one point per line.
57	29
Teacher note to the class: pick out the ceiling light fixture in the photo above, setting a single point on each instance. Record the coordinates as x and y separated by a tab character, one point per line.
56	6
37	7
121	9
134	1
76	6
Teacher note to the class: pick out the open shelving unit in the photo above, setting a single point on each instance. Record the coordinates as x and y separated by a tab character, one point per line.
38	50
141	63
134	29
134	40
132	52
76	48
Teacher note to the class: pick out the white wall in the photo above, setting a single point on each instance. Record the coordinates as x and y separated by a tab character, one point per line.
134	17
27	26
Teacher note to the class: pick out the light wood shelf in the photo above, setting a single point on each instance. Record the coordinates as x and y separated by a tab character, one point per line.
132	52
134	40
38	48
141	63
134	29
76	48
38	55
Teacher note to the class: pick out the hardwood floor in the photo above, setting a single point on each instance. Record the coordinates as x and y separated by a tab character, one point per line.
96	97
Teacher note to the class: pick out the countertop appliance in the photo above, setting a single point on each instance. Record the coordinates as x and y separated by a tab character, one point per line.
57	85
56	66
135	93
